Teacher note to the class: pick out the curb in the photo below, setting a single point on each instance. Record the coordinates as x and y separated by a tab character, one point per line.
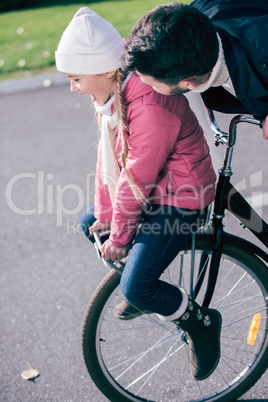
32	83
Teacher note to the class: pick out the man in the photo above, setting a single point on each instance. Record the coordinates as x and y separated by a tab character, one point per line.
218	48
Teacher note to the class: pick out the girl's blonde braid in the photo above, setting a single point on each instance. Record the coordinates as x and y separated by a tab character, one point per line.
121	113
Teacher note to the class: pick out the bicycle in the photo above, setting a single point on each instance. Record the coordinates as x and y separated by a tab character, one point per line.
147	360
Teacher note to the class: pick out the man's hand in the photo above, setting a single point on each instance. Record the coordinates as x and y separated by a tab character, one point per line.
100	226
265	128
111	252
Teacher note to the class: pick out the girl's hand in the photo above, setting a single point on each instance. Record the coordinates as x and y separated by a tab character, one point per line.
111	252
100	226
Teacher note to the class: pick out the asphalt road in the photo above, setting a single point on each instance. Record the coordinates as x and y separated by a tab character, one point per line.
48	268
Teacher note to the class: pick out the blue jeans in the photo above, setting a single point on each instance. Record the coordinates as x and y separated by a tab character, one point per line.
163	232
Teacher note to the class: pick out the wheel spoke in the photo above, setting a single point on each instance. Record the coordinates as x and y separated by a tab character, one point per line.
146	359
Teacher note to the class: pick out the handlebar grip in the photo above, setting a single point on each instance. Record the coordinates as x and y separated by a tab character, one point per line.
108	264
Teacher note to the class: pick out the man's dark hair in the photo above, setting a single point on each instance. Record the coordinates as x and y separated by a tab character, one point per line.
172	42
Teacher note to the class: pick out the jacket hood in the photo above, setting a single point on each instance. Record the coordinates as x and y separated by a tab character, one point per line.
136	89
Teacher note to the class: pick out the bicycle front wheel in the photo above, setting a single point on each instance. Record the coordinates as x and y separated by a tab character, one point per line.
145	359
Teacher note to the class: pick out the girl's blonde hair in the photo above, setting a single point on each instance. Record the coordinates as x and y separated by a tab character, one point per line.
121	113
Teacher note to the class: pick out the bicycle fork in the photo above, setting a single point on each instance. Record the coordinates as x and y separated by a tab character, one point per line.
221	203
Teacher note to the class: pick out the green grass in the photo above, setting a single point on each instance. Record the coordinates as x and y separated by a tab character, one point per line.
29	38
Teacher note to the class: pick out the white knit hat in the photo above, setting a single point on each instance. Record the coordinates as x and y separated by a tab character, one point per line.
89	45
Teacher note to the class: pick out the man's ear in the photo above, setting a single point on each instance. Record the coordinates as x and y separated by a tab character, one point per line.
110	74
189	83
194	81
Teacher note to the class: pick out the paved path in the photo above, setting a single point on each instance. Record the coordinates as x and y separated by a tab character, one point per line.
48	268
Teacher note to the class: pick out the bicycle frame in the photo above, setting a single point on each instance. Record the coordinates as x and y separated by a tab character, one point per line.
227	197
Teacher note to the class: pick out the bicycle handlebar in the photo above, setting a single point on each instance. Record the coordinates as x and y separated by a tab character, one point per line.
229	139
98	244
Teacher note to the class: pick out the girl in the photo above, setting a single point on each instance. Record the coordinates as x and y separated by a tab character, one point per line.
153	168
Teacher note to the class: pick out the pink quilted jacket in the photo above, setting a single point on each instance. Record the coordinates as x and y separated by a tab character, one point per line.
168	159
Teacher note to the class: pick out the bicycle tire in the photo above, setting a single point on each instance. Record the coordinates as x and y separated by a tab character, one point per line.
119	355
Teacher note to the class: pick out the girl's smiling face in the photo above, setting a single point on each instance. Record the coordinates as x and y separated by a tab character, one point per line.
100	86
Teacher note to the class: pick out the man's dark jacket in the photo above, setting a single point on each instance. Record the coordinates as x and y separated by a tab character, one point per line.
243	28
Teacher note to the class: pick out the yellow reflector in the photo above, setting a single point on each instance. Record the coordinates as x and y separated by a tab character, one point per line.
254	328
